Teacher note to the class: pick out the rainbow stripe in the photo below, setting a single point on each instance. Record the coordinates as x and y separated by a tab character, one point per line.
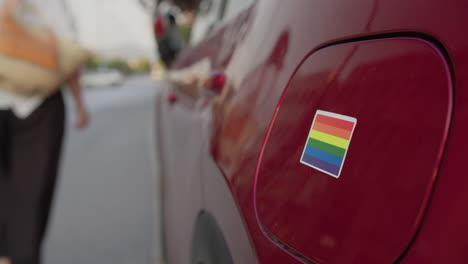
328	142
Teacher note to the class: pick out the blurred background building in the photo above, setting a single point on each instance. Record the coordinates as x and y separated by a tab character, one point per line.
110	27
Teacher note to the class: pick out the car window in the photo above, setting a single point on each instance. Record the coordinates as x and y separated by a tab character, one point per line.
209	13
234	7
212	12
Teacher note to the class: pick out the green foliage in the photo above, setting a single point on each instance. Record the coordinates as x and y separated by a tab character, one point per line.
145	66
120	65
93	63
141	65
185	31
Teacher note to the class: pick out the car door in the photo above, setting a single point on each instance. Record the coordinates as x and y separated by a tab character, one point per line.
184	133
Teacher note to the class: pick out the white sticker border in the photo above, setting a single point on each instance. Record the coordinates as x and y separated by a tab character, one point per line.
334	115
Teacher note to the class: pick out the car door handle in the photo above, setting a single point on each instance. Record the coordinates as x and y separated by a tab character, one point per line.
214	85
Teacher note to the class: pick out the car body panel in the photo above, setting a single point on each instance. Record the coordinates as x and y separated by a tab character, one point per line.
352	218
181	184
260	56
217	200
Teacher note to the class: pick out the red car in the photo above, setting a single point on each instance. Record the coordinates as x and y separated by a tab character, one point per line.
319	132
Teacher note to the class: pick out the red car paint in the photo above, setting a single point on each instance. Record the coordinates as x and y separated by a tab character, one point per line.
398	66
159	26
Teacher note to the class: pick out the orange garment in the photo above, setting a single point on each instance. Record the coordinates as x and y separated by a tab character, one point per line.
27	44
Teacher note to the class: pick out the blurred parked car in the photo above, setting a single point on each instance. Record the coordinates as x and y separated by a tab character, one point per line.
318	132
102	77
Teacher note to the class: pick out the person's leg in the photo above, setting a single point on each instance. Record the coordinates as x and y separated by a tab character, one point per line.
34	152
52	171
4	139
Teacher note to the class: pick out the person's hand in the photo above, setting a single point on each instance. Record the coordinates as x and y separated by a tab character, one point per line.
4	260
82	117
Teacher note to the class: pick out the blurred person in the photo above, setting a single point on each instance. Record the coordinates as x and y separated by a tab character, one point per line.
168	37
31	134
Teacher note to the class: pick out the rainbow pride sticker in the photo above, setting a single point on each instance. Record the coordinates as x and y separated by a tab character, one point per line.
328	142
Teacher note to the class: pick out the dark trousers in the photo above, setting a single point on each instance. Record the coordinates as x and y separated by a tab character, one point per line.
29	157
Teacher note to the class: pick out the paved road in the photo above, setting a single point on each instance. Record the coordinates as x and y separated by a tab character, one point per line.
105	207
